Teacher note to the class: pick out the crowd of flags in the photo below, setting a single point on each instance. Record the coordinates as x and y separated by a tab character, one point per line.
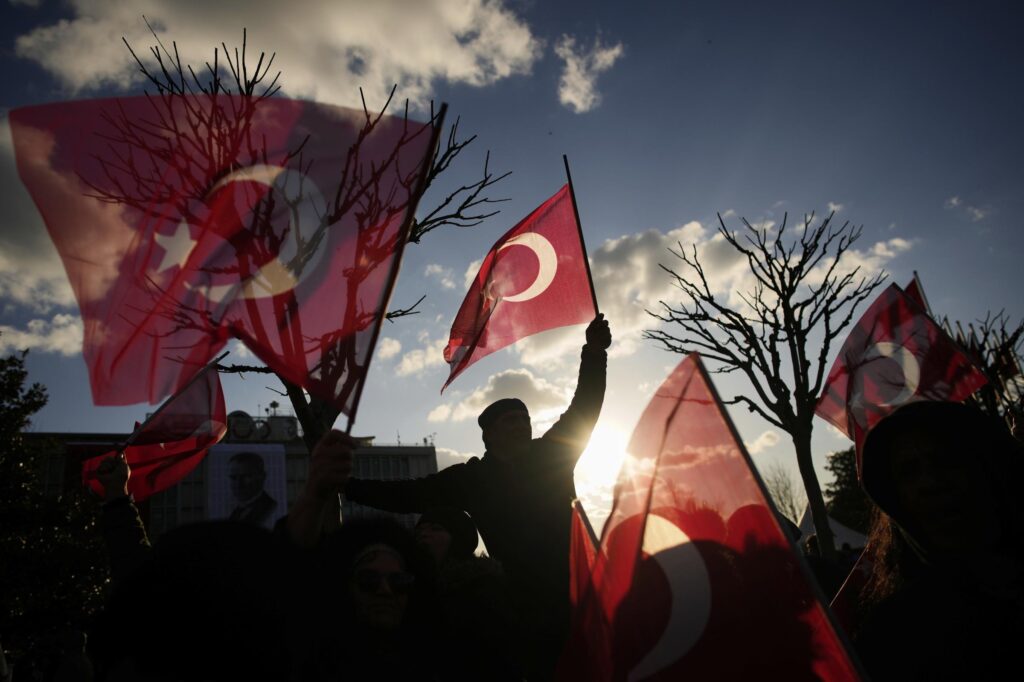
184	222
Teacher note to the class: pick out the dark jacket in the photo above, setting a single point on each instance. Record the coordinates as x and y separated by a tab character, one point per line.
521	507
124	536
259	512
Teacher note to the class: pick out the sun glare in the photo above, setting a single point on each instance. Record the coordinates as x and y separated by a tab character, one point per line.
598	466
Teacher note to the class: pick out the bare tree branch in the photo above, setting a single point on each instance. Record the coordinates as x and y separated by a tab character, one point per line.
800	289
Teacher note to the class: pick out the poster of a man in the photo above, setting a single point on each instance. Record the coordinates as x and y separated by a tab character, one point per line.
248	475
247	483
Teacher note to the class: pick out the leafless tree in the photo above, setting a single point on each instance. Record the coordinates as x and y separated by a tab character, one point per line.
779	338
787	493
213	136
993	344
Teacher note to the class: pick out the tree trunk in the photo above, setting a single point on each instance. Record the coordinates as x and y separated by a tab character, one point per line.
816	501
316	418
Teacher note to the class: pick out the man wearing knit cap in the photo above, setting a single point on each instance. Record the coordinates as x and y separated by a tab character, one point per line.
518	493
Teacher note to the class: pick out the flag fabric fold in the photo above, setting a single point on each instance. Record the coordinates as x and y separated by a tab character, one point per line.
173	442
895	354
695	577
184	221
533	279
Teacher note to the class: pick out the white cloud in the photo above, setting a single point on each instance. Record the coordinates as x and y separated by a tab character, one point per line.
443	275
976	214
420	359
729	213
441	413
388	348
324	51
577	87
447	457
31	273
629	281
542	397
240	351
834	207
471	273
62	334
766	440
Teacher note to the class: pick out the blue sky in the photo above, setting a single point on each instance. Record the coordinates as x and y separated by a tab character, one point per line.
902	117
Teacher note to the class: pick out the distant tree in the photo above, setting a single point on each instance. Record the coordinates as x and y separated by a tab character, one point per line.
780	337
845	499
994	346
53	570
787	493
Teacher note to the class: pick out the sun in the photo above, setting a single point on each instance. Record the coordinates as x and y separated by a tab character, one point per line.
599	464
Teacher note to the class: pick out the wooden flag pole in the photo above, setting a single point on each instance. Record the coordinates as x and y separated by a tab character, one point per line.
194	379
579	228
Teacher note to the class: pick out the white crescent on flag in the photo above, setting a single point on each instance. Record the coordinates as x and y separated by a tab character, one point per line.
688	580
303	199
547	265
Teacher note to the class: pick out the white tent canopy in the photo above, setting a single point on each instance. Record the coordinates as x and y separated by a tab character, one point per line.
842	534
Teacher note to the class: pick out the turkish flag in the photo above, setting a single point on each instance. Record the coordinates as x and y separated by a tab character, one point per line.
915	292
533	279
695	577
184	221
895	354
173	441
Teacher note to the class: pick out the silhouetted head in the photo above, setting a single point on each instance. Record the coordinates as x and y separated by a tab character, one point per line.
446	532
506	427
935	468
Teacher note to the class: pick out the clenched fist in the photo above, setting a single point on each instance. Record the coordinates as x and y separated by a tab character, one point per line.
599	335
331	465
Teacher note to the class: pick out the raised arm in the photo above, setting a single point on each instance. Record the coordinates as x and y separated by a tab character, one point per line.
573	428
443	489
330	474
122	529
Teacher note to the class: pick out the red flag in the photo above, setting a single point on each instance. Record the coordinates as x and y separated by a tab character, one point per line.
582	552
696	578
542	284
915	292
173	441
894	355
183	221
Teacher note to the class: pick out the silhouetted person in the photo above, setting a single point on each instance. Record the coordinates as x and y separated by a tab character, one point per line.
518	495
944	600
381	620
207	604
446	533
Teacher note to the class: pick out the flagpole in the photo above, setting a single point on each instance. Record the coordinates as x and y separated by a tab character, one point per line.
586	523
579	228
396	261
194	379
920	288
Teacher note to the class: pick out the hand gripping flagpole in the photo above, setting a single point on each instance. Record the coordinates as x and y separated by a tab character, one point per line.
579	228
194	379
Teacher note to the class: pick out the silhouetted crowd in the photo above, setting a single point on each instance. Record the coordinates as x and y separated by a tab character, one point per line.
937	594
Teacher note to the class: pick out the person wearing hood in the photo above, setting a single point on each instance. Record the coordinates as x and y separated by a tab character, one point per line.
946	596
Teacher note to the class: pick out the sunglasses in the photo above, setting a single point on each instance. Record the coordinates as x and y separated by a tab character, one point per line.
369	581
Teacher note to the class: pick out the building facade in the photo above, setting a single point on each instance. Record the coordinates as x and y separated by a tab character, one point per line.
215	487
